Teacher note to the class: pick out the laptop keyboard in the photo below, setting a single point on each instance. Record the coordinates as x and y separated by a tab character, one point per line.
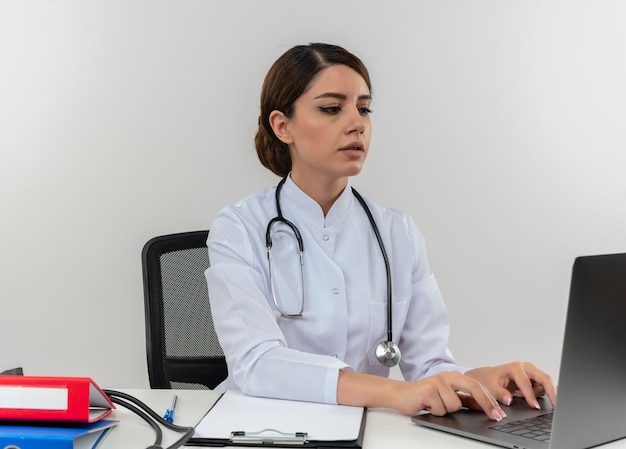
538	427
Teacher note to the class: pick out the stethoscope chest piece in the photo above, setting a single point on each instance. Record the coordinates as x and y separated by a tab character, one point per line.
388	353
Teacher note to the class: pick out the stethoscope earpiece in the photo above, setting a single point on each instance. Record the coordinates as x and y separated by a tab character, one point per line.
388	353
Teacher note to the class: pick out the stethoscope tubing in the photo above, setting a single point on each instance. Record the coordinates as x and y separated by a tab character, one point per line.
385	259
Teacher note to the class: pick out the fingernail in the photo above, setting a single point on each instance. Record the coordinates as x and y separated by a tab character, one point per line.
507	400
537	406
498	414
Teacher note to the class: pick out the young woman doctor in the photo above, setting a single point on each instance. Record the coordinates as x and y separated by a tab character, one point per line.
309	319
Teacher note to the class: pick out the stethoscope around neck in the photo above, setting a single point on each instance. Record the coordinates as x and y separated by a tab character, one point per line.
387	352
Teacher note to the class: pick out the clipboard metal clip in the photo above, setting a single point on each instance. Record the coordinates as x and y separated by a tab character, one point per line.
269	437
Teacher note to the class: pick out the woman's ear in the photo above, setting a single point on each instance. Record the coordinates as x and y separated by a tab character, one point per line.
280	125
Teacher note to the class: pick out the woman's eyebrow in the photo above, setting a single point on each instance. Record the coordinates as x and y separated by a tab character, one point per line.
341	96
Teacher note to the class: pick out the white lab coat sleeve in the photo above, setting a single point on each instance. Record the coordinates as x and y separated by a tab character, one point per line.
260	363
424	338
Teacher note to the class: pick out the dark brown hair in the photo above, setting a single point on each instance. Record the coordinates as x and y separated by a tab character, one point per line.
287	79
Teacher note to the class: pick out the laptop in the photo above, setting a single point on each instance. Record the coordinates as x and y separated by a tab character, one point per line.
591	400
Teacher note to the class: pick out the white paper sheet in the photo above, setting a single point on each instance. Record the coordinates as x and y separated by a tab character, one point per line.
236	412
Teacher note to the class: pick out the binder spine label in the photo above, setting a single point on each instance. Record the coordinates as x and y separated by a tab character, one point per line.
33	398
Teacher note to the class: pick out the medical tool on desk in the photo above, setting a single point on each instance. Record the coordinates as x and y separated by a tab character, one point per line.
387	352
169	413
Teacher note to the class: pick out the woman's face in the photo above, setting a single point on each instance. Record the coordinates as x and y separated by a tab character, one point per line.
329	132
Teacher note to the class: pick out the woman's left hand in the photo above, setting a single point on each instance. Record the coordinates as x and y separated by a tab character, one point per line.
521	379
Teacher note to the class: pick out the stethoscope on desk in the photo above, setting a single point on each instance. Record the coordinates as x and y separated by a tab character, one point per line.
387	352
153	419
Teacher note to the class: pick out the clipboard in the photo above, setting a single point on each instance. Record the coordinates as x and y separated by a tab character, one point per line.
245	421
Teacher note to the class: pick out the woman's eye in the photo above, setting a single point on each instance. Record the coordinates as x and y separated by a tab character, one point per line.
330	109
336	109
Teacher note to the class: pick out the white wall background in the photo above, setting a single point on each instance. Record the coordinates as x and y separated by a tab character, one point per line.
499	125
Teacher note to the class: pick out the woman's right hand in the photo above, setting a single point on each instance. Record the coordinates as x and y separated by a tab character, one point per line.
439	394
446	393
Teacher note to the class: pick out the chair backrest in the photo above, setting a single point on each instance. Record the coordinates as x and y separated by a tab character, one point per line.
182	347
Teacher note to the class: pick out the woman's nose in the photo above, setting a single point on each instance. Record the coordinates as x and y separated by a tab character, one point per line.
356	121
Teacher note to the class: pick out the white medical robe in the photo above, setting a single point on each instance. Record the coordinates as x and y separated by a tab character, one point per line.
345	295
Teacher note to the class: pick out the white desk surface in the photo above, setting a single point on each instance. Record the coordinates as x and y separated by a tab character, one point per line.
384	428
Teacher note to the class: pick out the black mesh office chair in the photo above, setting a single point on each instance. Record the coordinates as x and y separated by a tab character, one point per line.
181	344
